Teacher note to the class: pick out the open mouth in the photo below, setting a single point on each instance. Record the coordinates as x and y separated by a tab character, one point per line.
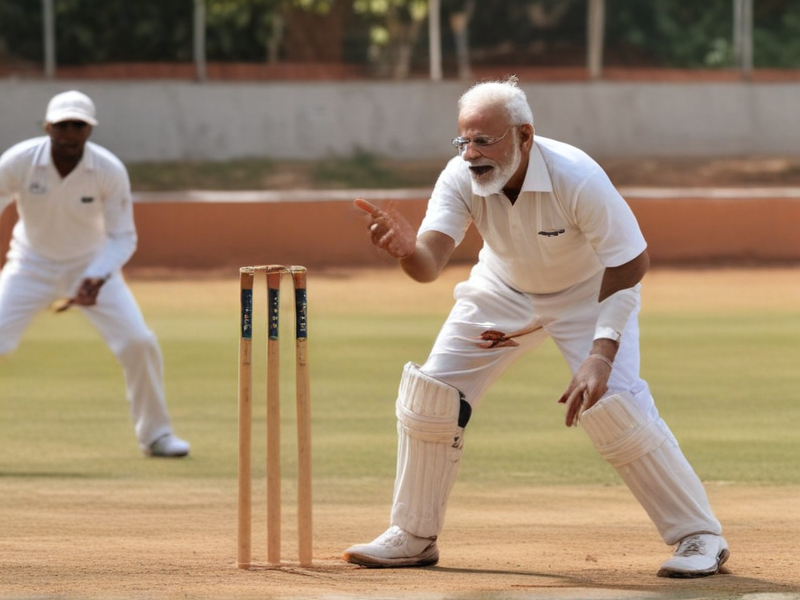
481	170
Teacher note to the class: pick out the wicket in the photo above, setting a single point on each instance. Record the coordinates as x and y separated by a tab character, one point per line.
274	274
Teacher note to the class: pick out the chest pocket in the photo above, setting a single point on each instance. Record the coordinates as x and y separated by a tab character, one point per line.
86	208
556	237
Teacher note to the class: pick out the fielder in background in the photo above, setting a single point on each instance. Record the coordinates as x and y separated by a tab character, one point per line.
563	256
74	234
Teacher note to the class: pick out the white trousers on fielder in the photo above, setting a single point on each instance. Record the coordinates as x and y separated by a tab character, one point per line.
29	286
484	302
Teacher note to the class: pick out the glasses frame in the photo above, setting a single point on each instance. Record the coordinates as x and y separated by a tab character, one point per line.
481	141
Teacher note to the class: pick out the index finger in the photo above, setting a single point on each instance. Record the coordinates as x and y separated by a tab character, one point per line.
367	207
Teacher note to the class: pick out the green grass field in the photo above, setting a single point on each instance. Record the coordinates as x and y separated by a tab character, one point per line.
536	513
724	375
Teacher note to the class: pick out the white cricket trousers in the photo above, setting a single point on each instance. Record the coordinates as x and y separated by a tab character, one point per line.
29	286
484	302
663	482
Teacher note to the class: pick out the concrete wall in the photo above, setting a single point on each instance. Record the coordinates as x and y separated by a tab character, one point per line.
206	230
166	120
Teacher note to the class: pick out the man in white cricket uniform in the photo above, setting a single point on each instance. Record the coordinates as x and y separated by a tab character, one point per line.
75	232
563	257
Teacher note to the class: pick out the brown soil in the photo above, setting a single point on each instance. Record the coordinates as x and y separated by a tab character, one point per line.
777	171
772	171
122	539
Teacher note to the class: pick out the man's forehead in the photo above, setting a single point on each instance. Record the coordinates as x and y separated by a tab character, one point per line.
473	117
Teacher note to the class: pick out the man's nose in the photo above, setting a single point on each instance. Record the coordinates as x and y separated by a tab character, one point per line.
470	151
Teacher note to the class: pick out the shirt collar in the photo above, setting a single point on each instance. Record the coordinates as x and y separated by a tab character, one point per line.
43	158
537	177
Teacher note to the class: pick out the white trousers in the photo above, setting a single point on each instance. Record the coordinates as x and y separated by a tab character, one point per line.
29	286
484	302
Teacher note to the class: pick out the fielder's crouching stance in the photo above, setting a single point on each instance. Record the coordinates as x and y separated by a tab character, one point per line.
74	234
563	257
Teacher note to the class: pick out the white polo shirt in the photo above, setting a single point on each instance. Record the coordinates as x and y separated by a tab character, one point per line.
568	223
87	215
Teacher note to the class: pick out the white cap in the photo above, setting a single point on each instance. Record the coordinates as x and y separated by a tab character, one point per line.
71	106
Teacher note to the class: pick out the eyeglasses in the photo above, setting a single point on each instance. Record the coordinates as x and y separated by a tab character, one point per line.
64	125
481	141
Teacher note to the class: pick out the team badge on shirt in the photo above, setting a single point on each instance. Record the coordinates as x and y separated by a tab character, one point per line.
37	187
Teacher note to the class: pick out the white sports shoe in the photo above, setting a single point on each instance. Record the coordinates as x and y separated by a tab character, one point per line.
168	446
697	555
395	547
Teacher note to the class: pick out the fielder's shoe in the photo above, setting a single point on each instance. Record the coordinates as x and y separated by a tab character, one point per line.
698	555
168	446
395	547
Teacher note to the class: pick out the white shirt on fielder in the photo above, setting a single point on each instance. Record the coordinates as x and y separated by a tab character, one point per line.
85	216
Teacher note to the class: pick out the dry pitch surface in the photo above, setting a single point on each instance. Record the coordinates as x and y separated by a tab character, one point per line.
161	539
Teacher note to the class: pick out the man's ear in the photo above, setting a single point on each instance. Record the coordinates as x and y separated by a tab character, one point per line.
526	133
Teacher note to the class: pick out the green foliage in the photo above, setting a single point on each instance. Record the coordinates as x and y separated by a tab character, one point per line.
361	170
239	29
670	33
776	34
89	31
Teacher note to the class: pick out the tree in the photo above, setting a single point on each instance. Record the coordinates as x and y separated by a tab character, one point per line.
395	27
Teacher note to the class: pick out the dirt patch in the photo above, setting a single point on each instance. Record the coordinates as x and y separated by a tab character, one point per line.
366	171
776	171
122	539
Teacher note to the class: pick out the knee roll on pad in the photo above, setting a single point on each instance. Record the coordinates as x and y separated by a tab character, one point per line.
620	431
431	416
646	455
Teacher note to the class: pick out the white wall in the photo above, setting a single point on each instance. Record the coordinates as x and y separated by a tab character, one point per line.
163	120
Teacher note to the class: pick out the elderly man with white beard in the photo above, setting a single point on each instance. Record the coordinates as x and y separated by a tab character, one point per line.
563	257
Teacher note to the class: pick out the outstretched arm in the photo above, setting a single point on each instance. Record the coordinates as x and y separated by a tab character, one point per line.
421	257
590	381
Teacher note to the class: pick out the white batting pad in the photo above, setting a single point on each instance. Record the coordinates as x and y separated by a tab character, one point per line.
429	448
647	456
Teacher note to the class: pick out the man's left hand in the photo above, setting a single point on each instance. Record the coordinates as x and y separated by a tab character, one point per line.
588	385
86	295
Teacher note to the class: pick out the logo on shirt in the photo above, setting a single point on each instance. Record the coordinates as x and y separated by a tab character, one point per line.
37	187
551	232
87	200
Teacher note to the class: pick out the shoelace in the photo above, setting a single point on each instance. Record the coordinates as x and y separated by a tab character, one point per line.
392	538
691	546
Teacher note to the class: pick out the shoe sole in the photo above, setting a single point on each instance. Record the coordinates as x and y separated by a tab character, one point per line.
173	455
373	562
723	556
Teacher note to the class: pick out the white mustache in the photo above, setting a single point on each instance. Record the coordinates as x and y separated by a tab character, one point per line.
484	162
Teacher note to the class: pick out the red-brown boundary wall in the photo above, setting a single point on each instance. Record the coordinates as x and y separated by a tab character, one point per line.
221	230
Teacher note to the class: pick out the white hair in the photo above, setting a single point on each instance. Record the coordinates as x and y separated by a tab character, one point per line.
504	93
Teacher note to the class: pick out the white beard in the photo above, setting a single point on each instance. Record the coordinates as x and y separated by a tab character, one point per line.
498	177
